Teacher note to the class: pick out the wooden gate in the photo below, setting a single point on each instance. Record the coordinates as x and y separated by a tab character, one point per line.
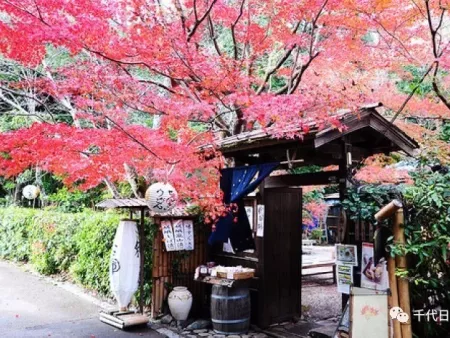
281	282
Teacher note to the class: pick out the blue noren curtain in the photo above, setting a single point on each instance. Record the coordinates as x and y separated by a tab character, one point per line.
236	183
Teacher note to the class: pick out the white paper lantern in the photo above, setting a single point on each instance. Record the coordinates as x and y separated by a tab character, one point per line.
162	197
31	192
125	263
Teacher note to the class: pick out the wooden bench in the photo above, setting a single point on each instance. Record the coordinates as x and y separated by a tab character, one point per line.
310	242
331	265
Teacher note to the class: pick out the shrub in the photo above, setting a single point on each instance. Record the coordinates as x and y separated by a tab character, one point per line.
67	200
75	243
427	233
317	234
94	241
427	247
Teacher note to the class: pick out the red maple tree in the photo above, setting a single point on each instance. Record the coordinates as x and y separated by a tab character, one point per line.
207	69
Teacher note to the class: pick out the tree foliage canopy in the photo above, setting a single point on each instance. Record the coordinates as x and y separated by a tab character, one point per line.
201	69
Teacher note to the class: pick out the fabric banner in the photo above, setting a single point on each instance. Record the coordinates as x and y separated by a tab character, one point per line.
236	183
125	262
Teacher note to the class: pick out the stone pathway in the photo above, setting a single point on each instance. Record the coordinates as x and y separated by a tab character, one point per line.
200	328
204	333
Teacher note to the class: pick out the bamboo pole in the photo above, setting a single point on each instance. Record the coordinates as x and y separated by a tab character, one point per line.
403	283
387	211
393	297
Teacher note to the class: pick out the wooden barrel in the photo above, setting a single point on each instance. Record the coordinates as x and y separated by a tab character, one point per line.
230	309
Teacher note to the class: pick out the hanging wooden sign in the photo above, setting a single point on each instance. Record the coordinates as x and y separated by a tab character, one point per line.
249	211
178	234
188	234
260	222
169	238
178	231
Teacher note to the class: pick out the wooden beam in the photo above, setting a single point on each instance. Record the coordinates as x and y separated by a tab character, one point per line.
319	178
352	125
397	137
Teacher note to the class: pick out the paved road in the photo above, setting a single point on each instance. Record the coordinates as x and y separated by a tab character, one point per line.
33	307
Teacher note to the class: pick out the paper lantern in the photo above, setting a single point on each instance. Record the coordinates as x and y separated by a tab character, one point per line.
31	192
162	197
125	263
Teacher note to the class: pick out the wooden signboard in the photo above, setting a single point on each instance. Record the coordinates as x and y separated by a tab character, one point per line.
169	238
178	234
188	234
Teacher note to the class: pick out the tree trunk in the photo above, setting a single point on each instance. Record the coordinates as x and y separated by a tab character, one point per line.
43	195
112	188
132	178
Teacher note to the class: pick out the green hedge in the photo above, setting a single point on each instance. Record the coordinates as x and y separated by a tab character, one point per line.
75	243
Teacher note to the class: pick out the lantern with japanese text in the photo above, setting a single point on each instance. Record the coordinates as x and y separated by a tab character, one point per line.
161	197
125	263
31	192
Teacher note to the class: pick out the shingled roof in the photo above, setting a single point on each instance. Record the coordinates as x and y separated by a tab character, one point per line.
368	118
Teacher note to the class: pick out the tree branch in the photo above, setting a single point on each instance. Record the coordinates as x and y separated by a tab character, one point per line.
199	21
213	35
233	26
411	94
438	92
280	62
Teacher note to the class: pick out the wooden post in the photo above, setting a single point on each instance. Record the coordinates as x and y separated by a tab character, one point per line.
344	168
403	283
141	253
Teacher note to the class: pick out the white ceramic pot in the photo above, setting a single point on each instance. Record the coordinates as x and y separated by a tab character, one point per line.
180	302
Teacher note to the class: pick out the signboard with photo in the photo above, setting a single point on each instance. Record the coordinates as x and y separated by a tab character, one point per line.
346	254
374	275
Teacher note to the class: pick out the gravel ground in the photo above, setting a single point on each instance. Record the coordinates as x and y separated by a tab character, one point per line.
320	299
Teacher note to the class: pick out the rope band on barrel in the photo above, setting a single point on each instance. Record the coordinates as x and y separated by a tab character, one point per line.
229	333
229	297
231	321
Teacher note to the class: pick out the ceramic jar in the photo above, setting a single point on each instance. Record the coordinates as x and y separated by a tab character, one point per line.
180	302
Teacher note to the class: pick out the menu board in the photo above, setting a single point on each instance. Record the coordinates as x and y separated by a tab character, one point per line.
344	278
188	234
260	221
249	211
169	239
178	230
178	234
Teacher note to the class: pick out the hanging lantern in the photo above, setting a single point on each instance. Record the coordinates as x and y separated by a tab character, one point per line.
31	192
162	197
125	263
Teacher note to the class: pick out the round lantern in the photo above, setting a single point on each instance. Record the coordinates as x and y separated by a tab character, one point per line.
31	192
125	263
161	197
